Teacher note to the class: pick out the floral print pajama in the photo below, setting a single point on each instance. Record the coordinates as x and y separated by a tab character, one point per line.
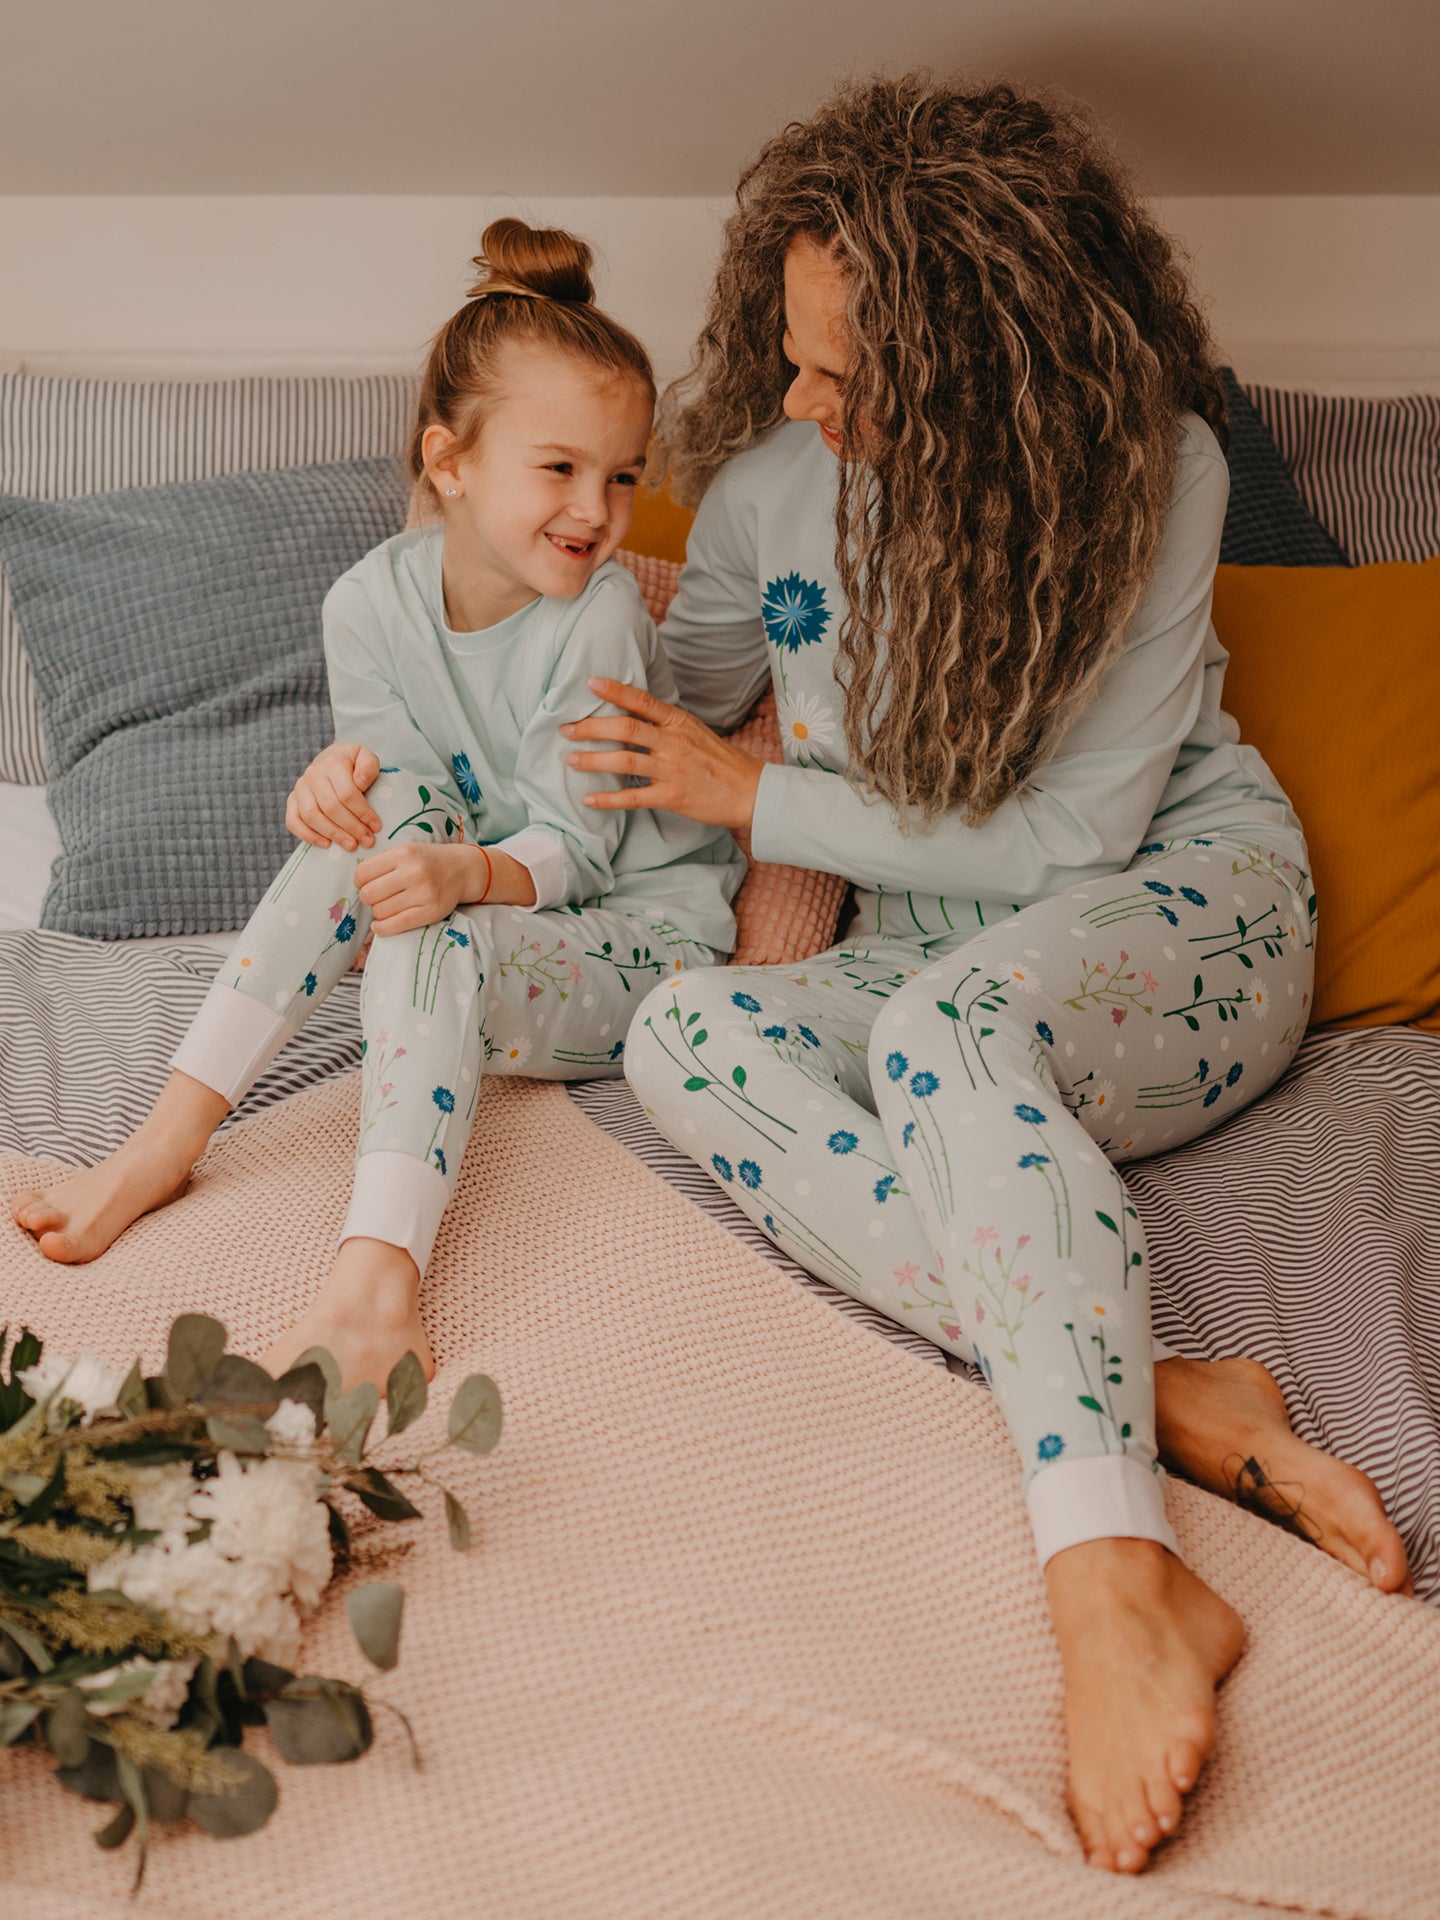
936	1127
492	988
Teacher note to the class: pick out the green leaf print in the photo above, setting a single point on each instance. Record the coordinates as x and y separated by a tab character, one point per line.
950	1011
1106	1221
1088	1400
699	1039
697	1083
424	826
738	1075
424	796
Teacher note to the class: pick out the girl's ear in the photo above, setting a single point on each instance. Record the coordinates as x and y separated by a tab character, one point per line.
438	449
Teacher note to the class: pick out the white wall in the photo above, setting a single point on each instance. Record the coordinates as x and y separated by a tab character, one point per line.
1317	291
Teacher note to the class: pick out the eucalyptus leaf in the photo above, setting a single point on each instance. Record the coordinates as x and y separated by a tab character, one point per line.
238	1382
475	1414
168	1799
67	1729
196	1344
405	1392
16	1718
458	1522
132	1399
374	1614
380	1495
96	1778
319	1723
125	1686
323	1358
243	1805
263	1676
33	1649
132	1785
305	1384
118	1829
240	1432
349	1418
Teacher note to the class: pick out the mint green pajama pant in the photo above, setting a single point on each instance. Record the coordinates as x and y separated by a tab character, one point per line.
493	988
937	1129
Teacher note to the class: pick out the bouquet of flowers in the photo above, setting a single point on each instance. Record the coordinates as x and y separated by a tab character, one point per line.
161	1541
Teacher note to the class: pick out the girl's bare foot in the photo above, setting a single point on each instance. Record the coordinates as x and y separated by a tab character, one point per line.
77	1219
367	1314
1223	1424
1144	1645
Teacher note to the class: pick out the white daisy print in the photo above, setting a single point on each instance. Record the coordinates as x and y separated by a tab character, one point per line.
1023	979
805	724
518	1051
248	964
1098	1310
1102	1098
1260	999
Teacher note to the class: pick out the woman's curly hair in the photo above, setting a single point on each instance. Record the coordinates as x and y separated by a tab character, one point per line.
1024	341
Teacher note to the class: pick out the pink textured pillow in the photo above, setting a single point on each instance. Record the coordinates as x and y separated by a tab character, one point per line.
782	914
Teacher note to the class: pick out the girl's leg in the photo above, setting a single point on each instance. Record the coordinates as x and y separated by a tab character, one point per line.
546	995
301	938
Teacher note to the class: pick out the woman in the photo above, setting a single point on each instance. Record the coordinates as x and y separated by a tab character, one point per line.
977	565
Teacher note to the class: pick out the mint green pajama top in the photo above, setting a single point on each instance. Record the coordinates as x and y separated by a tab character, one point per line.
479	714
1152	757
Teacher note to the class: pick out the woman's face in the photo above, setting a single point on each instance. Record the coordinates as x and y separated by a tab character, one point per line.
817	340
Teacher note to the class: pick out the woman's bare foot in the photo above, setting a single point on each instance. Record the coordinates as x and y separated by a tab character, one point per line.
367	1315
78	1218
1223	1424
1144	1645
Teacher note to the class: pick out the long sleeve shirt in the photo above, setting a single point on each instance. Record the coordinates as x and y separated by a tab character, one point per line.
1151	757
478	715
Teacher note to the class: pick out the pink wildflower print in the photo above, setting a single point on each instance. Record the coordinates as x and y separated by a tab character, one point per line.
1101	968
577	972
984	1235
1123	956
1148	981
1021	1282
533	992
1117	1014
337	912
387	1086
399	1053
382	1039
979	1313
908	1274
950	1330
535	946
559	946
1023	1241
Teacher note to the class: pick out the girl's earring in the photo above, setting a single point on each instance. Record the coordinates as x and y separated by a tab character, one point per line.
452	491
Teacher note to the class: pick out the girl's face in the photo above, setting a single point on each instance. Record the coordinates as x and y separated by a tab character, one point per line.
546	496
817	339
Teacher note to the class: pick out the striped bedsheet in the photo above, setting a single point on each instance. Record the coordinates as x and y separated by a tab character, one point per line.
1304	1233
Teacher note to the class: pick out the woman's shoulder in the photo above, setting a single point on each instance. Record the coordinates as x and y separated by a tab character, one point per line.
779	461
1198	442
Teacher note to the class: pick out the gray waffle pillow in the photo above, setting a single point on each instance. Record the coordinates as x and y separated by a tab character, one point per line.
1267	524
174	635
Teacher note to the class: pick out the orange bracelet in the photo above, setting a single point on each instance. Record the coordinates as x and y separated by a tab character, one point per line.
489	872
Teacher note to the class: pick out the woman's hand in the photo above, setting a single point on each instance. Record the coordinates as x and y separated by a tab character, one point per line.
690	770
411	886
327	803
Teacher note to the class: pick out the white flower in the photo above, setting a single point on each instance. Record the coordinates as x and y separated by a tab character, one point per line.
1099	1311
518	1051
266	1514
1102	1098
160	1500
85	1383
249	963
293	1424
161	1701
805	724
1260	999
1023	978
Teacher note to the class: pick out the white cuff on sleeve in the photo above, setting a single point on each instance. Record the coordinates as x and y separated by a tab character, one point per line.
1159	1351
539	853
1108	1496
232	1040
397	1199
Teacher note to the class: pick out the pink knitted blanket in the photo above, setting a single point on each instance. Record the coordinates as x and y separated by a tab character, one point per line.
752	1630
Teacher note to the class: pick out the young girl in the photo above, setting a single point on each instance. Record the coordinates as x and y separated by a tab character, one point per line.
516	927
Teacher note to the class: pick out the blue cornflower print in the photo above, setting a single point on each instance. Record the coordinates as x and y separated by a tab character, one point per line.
1044	1032
444	1099
722	1166
794	612
1051	1447
773	1033
1032	1116
1234	1074
440	1160
882	1187
750	1174
1155	846
617	1049
810	1039
1194	896
460	939
842	1142
1171	916
1213	1095
345	931
909	1134
770	1226
1202	1072
1159	886
896	1066
465	778
310	984
922	1085
1028	1160
746	1002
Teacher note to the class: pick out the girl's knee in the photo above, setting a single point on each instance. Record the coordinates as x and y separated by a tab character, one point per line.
414	808
679	1008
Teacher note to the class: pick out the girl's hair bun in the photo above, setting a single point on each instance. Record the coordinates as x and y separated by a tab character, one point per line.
547	261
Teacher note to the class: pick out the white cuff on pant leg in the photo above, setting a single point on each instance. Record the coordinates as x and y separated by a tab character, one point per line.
232	1040
1109	1496
397	1199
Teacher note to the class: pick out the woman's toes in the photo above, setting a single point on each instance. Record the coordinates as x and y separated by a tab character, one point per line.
35	1213
60	1247
1164	1802
1138	1821
1183	1764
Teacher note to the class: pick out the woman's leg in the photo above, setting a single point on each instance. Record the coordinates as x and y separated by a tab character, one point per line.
1126	1016
546	995
302	937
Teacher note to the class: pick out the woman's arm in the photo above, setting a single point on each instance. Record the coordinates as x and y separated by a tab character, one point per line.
713	634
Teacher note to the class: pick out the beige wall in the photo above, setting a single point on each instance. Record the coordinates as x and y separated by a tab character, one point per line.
1317	291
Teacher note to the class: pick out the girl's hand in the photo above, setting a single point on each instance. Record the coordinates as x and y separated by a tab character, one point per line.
690	770
411	886
327	803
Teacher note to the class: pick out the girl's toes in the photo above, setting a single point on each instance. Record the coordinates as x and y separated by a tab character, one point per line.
61	1247
1093	1837
1164	1803
1183	1764
35	1213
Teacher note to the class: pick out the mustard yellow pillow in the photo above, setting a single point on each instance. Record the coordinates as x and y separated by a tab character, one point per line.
1335	677
660	526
